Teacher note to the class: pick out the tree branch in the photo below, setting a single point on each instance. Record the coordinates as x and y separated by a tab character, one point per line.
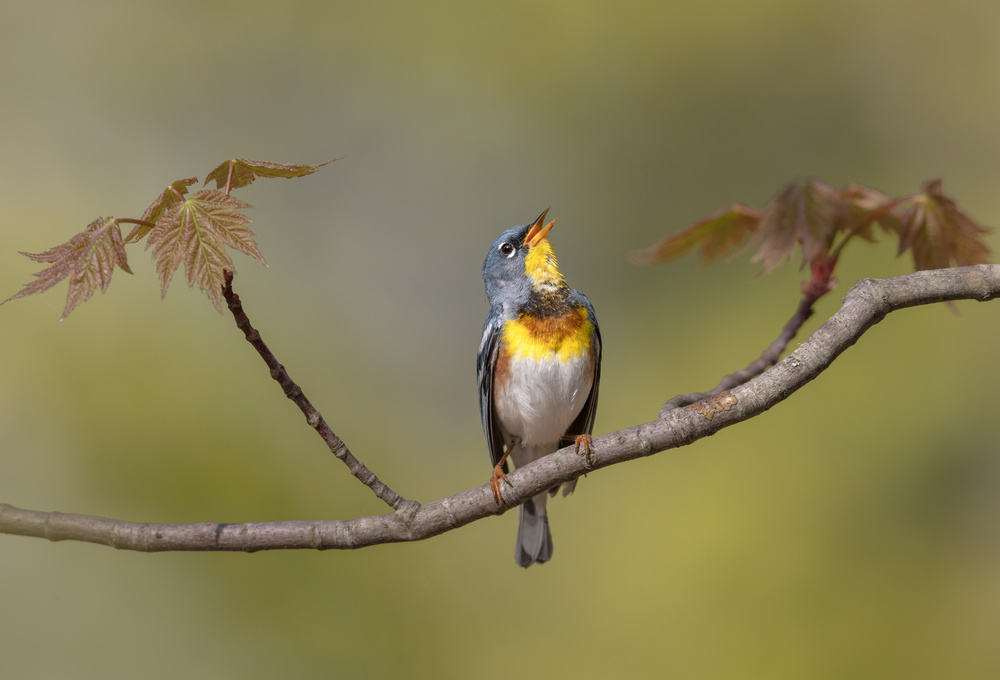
294	392
867	303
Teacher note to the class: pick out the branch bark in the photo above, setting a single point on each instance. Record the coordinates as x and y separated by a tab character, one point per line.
867	303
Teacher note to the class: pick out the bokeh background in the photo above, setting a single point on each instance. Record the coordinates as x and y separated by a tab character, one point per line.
853	531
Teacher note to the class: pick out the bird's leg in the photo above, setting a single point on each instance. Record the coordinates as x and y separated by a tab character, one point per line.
499	474
583	441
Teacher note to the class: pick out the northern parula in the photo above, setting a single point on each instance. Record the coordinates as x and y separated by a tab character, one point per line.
539	368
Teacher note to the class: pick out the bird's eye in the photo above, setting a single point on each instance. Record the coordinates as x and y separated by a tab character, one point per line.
507	249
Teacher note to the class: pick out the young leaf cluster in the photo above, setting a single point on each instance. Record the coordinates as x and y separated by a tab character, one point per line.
820	220
195	230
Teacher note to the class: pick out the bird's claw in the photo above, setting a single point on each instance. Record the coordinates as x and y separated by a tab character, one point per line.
498	476
583	441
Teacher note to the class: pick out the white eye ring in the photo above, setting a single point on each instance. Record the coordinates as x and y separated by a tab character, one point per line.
507	249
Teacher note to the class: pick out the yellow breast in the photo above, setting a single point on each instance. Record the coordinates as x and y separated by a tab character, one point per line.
548	337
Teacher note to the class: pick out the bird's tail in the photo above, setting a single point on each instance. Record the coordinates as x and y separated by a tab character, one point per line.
534	540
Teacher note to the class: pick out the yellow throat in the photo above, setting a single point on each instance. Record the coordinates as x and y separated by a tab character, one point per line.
541	267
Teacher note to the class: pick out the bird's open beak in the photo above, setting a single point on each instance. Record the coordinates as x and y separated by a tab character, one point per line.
537	233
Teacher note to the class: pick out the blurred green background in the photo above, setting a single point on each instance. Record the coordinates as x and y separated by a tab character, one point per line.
852	531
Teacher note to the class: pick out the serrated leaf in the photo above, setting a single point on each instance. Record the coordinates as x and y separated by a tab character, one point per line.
805	213
88	260
172	195
240	172
196	232
718	234
938	232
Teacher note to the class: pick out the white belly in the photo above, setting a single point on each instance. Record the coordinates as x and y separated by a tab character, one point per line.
542	399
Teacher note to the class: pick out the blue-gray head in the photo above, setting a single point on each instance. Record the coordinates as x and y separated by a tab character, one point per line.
519	261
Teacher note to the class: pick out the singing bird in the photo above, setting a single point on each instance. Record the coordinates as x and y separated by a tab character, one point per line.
539	368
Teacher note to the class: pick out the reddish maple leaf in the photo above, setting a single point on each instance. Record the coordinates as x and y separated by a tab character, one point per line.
196	232
938	232
718	234
803	213
240	172
88	260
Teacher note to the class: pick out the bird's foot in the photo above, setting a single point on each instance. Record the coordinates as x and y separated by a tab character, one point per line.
583	442
498	476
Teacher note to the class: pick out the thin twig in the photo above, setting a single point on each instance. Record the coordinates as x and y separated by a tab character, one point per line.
294	392
769	357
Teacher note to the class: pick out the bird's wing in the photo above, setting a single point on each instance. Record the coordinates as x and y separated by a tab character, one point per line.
489	349
584	423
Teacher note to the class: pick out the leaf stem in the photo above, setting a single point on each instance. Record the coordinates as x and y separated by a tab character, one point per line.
870	218
129	220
